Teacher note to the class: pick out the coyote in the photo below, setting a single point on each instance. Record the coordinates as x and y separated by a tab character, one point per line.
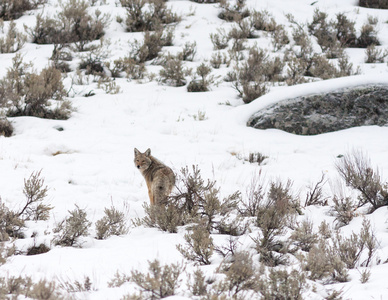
160	179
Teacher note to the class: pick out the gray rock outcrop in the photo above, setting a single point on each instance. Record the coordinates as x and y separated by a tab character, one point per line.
320	113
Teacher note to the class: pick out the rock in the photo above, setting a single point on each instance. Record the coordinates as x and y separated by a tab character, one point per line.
320	113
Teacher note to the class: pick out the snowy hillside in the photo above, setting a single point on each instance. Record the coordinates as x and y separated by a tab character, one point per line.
86	161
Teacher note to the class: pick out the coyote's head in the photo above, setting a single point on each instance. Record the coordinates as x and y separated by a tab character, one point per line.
142	160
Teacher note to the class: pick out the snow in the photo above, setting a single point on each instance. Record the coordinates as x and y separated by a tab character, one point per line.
93	162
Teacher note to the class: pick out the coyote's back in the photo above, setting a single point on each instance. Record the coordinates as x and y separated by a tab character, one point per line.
160	179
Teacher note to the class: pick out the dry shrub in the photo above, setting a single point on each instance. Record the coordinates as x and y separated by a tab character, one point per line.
241	275
356	170
233	13
173	72
238	40
325	230
234	225
321	28
196	86
93	61
13	41
108	84
303	236
73	25
189	50
218	59
200	200
315	65
198	287
35	250
344	207
220	39
345	31
229	249
345	68
205	1
350	249
153	17
382	4
160	281
35	193
60	58
250	91
263	20
31	94
279	37
252	75
331	33
44	290
368	36
195	202
300	58
151	46
46	31
199	245
69	231
282	284
340	32
11	224
16	287
79	26
6	128
315	194
243	30
329	260
322	68
256	158
14	9
118	280
300	36
164	217
365	276
344	210
323	263
375	55
78	286
113	223
296	70
202	84
273	217
135	16
255	193
128	65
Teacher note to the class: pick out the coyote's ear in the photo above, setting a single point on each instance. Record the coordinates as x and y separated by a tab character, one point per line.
148	152
137	152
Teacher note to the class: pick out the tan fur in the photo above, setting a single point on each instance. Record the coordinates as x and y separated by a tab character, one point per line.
160	179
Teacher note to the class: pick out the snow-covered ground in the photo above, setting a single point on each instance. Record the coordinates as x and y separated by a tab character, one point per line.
94	168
